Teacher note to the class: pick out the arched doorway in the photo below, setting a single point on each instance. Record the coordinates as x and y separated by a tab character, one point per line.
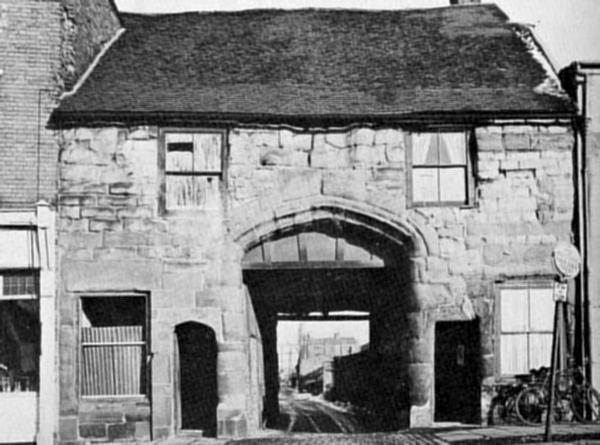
334	264
196	358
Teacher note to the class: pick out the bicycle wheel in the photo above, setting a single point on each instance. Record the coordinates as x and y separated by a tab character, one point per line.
593	399
497	413
531	406
585	403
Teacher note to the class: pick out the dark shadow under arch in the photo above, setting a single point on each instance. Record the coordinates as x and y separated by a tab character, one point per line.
359	263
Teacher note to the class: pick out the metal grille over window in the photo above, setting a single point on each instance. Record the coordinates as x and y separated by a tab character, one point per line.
193	169
113	332
19	331
439	168
19	283
526	322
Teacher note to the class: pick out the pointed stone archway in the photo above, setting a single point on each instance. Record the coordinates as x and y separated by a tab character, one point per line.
333	254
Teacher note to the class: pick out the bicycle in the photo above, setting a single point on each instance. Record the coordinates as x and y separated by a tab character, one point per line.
575	399
503	406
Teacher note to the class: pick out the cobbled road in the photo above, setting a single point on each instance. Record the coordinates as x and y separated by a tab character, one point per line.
314	422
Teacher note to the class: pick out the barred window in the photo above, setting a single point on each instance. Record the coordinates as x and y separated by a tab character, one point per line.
19	283
113	346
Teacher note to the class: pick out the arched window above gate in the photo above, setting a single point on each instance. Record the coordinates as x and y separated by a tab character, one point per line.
324	244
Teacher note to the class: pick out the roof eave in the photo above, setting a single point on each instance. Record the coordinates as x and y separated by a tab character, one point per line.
66	119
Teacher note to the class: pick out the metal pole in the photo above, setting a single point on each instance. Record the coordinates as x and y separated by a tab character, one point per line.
555	344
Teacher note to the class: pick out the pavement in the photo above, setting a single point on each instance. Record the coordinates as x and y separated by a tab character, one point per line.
313	421
571	434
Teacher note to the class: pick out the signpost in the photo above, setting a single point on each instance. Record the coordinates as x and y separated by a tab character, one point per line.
566	261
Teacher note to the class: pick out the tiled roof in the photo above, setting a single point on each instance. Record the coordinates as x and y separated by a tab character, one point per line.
312	62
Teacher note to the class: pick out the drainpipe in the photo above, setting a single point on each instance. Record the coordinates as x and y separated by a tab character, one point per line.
581	234
581	95
581	73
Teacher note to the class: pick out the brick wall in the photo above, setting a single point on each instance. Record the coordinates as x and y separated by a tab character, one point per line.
43	48
30	42
112	237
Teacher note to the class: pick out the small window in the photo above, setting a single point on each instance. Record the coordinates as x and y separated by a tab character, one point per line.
439	169
113	346
193	169
526	324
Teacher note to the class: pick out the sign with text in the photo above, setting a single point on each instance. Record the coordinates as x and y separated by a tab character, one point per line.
566	260
560	291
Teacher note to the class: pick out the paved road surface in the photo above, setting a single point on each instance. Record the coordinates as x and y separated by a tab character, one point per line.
314	416
311	421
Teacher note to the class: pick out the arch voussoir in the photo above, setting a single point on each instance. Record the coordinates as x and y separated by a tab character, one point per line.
253	226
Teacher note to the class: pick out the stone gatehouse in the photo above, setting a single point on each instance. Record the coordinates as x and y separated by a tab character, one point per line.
188	265
195	206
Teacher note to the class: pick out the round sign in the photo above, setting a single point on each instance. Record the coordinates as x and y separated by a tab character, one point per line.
566	260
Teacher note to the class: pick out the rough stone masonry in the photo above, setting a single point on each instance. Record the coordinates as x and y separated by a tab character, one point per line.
189	263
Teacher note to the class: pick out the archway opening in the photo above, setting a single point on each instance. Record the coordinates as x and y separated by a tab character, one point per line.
331	270
196	360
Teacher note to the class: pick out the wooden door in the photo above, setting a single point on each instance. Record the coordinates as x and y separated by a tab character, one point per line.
457	372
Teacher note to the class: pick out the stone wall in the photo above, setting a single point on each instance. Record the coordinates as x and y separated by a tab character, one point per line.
113	238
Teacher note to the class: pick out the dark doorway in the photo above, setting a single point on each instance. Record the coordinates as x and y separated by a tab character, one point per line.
198	396
457	372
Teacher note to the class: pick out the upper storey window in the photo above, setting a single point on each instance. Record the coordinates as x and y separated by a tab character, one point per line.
193	169
440	172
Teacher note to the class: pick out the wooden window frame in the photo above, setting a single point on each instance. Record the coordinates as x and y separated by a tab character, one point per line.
541	283
147	357
470	150
162	160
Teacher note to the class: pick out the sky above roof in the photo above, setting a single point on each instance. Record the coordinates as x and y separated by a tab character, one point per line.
568	29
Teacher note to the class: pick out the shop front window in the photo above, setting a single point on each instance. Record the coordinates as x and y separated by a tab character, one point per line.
19	332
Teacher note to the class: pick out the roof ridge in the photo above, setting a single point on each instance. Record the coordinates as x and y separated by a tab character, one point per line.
307	9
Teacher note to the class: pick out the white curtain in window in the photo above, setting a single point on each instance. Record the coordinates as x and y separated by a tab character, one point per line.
514	310
541	305
540	350
452	149
513	351
421	143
